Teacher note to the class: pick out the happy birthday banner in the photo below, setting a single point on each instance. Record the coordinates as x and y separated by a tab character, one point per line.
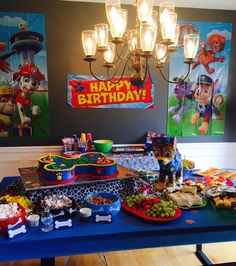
86	92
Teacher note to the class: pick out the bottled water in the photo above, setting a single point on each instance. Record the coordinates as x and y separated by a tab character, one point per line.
46	221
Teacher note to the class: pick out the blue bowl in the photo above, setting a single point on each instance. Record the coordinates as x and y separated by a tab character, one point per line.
104	209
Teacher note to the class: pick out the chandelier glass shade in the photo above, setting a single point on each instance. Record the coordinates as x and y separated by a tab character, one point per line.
136	47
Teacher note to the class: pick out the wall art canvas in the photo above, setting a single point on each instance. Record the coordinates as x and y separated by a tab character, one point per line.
24	109
197	105
86	92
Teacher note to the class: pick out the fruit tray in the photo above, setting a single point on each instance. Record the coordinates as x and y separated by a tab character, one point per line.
145	216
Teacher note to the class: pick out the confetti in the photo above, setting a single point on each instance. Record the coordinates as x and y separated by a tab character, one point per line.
190	221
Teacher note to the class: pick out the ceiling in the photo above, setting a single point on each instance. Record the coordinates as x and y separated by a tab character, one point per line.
208	4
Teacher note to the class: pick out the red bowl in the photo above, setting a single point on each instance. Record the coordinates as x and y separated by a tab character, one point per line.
13	220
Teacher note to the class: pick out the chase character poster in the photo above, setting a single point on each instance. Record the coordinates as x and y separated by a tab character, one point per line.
23	76
196	106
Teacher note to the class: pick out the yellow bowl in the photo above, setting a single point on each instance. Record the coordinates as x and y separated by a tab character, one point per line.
103	145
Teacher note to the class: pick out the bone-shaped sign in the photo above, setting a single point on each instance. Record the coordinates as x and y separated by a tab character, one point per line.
71	210
61	213
14	232
114	209
66	223
101	209
103	218
15	224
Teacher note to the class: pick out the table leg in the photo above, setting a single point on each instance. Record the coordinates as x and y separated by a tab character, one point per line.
48	262
206	261
202	256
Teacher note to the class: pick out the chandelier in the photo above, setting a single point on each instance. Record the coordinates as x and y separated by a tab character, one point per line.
133	49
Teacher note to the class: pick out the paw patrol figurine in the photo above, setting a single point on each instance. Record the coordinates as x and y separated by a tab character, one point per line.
169	159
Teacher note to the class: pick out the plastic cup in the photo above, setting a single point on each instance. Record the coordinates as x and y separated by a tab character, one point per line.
33	220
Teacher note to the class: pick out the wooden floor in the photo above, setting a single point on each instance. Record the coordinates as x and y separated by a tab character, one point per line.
172	256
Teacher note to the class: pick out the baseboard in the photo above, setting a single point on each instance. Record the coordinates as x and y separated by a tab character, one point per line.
210	154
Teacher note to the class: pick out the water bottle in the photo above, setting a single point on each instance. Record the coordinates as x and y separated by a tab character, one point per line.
46	221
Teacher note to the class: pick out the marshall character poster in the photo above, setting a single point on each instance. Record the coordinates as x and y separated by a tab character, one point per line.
24	108
86	92
197	105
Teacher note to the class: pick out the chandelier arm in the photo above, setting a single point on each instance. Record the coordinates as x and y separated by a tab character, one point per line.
122	74
109	78
119	55
175	82
146	69
165	55
149	74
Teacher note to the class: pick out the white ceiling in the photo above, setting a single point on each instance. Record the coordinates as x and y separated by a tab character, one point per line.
208	4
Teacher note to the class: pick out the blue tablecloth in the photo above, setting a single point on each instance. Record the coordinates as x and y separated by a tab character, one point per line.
125	232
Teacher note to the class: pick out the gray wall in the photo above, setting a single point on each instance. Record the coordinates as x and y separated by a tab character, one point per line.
64	22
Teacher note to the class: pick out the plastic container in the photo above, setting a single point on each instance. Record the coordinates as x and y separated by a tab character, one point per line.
89	143
46	221
85	214
33	220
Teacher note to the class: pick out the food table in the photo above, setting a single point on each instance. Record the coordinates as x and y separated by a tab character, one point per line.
124	233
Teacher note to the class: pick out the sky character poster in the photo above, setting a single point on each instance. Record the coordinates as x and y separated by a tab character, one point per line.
24	110
197	105
86	92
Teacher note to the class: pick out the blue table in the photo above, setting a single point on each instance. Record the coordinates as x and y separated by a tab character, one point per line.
126	232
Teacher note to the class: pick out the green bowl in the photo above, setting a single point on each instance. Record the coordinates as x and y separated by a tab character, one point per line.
103	145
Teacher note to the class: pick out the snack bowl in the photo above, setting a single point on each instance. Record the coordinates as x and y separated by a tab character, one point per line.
103	145
58	211
92	202
15	220
227	212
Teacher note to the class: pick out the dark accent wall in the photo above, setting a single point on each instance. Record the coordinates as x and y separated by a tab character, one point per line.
64	22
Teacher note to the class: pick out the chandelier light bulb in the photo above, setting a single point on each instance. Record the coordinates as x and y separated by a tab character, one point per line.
109	55
119	26
161	52
152	20
112	8
89	41
165	8
175	40
148	36
191	42
168	25
102	35
132	36
144	9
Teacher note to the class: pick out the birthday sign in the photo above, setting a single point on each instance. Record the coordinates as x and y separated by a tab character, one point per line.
84	92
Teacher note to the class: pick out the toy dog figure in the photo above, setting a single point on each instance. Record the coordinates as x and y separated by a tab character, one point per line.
28	78
169	159
205	107
183	92
216	42
7	107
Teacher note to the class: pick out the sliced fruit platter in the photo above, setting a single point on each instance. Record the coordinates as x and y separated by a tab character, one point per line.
207	181
151	208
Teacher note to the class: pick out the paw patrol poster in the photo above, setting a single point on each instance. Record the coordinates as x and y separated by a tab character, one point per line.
86	92
24	110
197	105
